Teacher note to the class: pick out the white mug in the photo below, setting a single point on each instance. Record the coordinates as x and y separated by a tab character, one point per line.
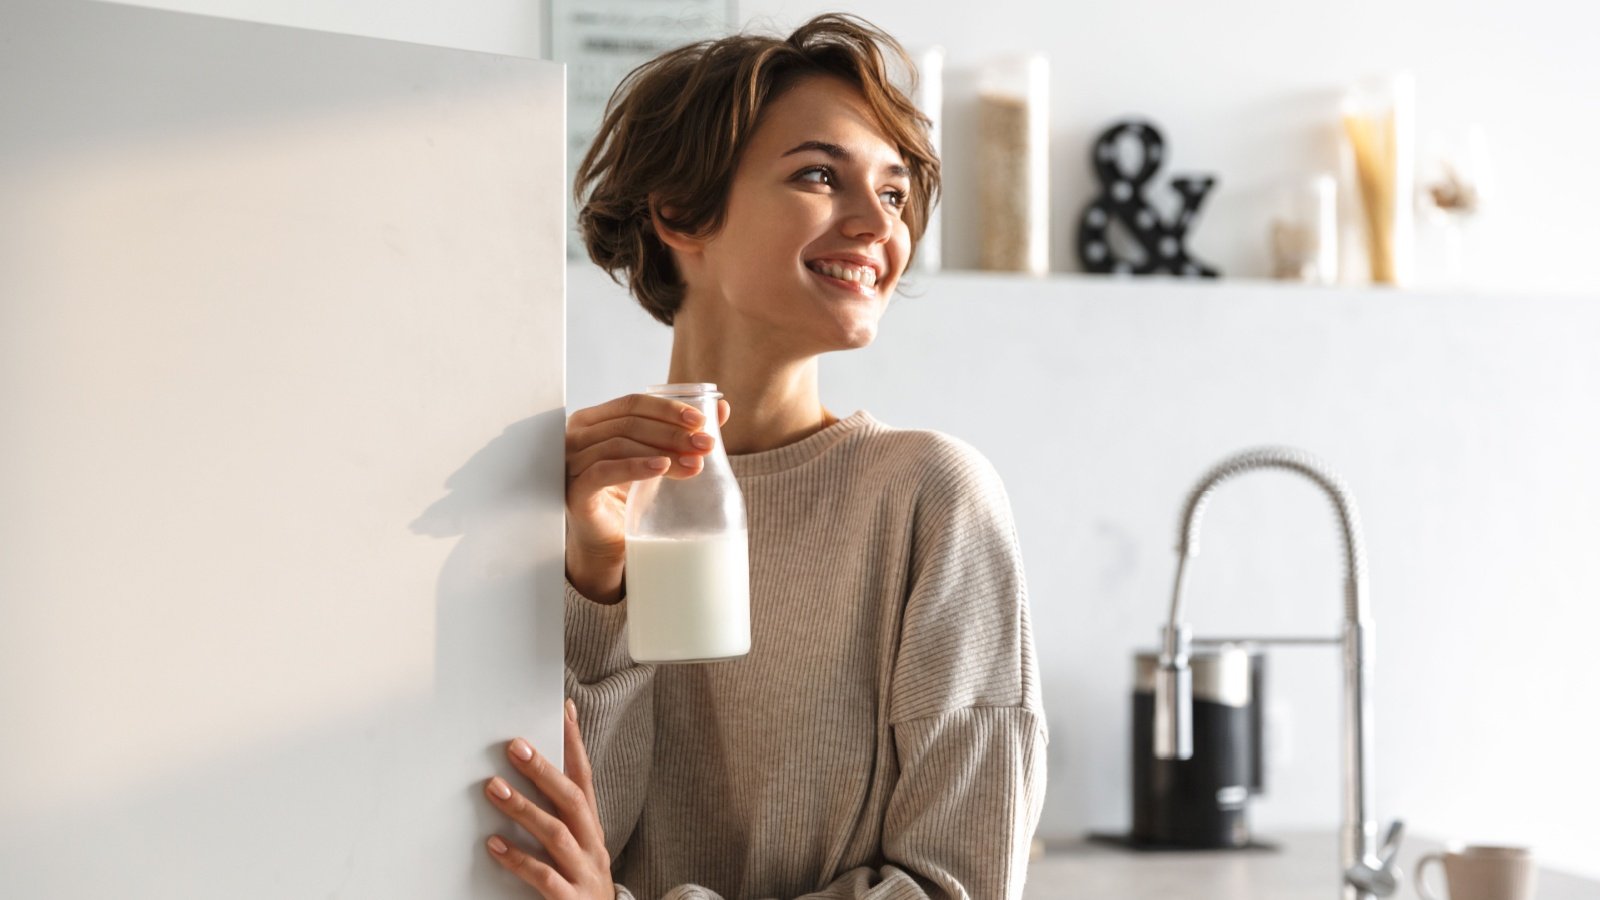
1481	873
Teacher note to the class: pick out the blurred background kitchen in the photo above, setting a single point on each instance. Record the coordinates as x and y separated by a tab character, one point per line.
1455	388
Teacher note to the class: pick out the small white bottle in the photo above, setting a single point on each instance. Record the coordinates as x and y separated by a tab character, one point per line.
688	557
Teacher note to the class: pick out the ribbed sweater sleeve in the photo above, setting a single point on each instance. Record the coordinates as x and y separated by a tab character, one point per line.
615	710
964	703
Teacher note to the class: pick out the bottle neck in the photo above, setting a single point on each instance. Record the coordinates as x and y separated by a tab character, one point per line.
707	404
702	397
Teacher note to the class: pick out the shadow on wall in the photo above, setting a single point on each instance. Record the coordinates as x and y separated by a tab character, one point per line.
500	609
490	581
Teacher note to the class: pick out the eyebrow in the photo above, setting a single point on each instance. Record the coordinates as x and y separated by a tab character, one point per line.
837	152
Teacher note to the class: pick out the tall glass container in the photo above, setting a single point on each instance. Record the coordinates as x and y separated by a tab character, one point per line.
1014	165
1305	230
1379	146
688	564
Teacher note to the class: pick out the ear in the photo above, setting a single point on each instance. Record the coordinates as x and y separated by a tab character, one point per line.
677	240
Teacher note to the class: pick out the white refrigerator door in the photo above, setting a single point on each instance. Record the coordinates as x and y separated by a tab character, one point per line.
281	416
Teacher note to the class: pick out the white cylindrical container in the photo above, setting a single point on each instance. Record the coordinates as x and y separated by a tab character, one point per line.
688	564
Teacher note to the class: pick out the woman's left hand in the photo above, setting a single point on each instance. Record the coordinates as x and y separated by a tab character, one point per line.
573	837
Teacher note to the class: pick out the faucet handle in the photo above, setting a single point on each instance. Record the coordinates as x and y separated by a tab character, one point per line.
1391	843
1381	880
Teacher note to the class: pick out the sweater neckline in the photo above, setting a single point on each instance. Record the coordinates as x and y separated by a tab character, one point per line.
788	456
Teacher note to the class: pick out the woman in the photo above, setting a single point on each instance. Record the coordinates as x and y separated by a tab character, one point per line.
884	737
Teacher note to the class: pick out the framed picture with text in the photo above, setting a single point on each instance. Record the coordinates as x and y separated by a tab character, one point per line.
601	41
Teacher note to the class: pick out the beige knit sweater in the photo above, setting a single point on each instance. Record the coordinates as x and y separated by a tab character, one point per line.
884	738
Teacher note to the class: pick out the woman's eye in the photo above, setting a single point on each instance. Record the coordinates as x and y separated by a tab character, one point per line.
897	197
826	176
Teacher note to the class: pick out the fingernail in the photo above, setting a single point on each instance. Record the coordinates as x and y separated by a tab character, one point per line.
500	788
572	710
702	441
497	845
659	464
693	416
686	461
521	749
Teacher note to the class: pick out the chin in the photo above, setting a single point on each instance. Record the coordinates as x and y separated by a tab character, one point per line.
837	326
861	335
843	336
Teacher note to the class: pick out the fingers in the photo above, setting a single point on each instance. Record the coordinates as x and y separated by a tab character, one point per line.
551	832
633	439
606	473
618	471
668	437
627	439
538	874
572	836
582	822
641	405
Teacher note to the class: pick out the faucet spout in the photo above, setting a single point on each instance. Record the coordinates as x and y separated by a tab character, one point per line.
1358	835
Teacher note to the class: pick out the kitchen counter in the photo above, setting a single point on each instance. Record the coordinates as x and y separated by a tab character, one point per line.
1304	867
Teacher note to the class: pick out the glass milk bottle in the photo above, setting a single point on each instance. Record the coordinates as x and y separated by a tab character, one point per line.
688	563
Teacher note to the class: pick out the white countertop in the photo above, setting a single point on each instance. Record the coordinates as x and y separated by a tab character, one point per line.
1304	867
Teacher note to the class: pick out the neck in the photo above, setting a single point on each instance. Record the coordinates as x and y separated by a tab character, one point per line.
773	397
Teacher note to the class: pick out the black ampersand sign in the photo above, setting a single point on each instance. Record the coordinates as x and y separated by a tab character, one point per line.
1121	199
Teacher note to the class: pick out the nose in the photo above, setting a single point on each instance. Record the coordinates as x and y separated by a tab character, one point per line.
867	218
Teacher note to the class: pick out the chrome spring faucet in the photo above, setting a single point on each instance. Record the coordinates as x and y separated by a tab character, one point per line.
1369	871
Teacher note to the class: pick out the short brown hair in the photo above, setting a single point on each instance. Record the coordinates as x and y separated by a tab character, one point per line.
676	126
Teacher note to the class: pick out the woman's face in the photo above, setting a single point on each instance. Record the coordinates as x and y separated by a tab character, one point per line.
814	241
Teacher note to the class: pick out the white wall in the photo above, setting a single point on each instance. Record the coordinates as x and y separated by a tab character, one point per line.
281	376
1460	422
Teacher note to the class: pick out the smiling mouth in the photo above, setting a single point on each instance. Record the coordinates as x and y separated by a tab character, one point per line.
857	280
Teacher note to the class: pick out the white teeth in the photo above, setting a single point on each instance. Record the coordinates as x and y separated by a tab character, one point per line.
862	275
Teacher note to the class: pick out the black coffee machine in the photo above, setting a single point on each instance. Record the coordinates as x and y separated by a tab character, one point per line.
1201	802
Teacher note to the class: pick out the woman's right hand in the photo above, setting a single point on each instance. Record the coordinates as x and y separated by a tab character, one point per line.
609	447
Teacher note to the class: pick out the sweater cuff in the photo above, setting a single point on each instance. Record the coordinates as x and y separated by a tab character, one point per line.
596	637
